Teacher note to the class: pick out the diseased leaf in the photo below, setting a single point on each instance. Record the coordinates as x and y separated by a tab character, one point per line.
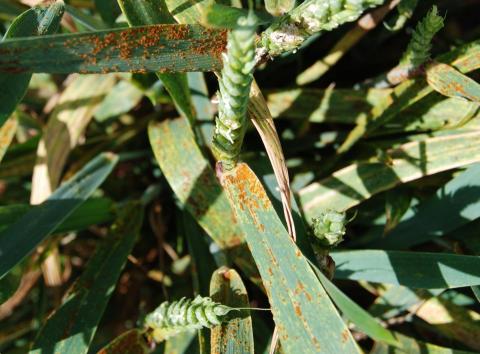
164	48
196	186
22	237
450	82
306	319
148	12
236	335
465	59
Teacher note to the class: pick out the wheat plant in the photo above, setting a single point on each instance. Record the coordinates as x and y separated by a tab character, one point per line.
247	177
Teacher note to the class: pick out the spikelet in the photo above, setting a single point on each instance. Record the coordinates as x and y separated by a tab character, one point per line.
235	82
418	50
329	228
312	16
170	319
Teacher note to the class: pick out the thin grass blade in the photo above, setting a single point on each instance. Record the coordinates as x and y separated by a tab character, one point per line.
72	327
21	238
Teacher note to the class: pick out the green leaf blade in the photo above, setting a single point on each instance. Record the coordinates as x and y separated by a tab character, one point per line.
234	336
33	22
164	48
72	327
352	185
21	238
306	319
142	12
194	183
412	269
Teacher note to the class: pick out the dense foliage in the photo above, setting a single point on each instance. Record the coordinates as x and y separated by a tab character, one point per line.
239	177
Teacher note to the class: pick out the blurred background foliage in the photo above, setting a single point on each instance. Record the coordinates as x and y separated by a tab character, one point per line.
142	219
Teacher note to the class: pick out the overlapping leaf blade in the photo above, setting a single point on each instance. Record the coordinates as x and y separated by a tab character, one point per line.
306	319
236	335
141	12
358	182
411	269
22	237
72	327
194	183
455	204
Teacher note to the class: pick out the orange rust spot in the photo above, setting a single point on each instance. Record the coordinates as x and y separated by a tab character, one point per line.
344	335
250	193
227	275
298	310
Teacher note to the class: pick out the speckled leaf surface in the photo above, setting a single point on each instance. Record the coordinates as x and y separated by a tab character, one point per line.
236	335
148	12
450	82
465	59
305	317
164	48
194	182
